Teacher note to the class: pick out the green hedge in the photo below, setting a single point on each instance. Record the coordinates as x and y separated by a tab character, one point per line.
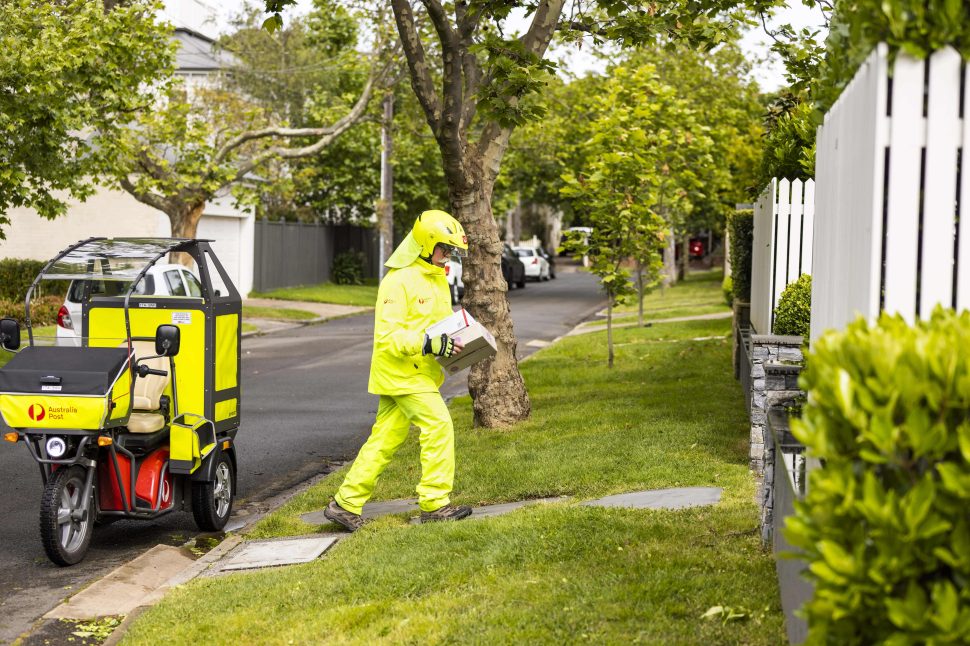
348	268
43	310
885	526
794	312
741	226
16	275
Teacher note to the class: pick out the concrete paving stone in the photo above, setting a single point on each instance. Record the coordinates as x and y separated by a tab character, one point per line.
371	510
678	498
125	588
490	511
290	551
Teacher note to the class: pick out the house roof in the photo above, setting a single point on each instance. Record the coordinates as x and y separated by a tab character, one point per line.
198	53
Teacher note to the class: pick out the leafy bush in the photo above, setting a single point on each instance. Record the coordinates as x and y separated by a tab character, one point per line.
741	224
43	310
884	525
793	315
348	268
16	275
727	286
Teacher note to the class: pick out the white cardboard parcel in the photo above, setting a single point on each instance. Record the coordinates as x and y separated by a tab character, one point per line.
478	342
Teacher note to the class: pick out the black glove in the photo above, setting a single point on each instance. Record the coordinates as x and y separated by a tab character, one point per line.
440	346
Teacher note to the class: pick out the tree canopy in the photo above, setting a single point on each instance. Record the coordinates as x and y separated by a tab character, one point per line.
72	75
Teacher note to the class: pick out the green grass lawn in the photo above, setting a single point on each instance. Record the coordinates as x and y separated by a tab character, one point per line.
699	293
362	295
276	314
668	415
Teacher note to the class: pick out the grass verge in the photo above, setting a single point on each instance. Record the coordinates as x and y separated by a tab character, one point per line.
668	415
701	290
361	295
276	314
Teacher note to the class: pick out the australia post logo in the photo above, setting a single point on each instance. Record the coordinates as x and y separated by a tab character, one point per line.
39	412
36	412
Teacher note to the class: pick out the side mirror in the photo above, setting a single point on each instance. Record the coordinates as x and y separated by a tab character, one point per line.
167	339
9	334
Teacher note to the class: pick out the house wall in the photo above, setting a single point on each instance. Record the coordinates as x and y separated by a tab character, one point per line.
115	214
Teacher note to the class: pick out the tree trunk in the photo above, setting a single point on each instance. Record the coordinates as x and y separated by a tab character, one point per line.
499	397
609	327
639	294
185	224
670	268
684	258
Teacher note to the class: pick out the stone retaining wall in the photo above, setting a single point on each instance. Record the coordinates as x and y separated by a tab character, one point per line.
775	364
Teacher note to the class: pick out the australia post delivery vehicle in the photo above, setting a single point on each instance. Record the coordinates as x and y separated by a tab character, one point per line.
140	419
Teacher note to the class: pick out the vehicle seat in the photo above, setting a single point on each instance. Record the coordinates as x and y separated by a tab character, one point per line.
148	392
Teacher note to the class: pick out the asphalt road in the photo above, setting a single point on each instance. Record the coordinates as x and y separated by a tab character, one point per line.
305	408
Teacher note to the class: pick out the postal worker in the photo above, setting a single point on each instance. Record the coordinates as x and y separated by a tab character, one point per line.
412	296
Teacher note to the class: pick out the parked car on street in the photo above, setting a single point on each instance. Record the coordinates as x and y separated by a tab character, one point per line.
512	268
536	267
453	273
161	280
549	259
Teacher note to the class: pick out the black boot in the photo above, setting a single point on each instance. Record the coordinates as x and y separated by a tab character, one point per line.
448	512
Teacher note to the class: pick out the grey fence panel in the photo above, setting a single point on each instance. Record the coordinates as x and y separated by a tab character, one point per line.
298	253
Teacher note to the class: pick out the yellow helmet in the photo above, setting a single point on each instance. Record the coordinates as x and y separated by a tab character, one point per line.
437	227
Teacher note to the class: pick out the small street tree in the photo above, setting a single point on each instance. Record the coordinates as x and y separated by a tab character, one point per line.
72	74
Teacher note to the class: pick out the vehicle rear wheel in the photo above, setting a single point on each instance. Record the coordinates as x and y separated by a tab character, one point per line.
212	501
66	521
521	283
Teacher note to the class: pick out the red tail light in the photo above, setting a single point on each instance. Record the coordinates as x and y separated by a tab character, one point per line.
64	318
535	261
447	270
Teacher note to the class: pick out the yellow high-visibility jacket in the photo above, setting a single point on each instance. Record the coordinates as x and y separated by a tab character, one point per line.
409	300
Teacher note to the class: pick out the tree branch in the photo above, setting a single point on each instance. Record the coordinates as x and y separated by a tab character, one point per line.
472	71
417	63
495	138
449	132
326	137
151	199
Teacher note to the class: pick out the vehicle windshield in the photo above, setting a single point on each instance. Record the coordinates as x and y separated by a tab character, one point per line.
525	253
110	259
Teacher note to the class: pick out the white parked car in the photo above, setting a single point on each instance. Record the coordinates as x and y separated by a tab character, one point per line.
536	267
161	280
453	272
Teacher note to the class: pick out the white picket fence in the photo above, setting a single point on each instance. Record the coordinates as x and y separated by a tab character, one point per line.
890	196
782	245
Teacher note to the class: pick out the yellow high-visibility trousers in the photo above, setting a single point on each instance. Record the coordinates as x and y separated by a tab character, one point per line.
395	415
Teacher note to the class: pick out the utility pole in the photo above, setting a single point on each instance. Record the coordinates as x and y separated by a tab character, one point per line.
385	210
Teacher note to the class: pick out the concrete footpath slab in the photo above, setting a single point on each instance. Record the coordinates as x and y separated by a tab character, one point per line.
127	587
678	498
274	553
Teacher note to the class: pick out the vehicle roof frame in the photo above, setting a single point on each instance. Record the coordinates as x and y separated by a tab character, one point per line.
187	245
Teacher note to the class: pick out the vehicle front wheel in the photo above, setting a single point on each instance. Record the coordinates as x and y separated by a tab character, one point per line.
212	501
66	520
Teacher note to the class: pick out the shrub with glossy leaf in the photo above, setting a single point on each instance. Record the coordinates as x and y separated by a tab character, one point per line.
348	268
793	315
885	525
741	226
727	288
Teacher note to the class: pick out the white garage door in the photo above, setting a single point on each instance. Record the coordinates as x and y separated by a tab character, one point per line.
225	233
